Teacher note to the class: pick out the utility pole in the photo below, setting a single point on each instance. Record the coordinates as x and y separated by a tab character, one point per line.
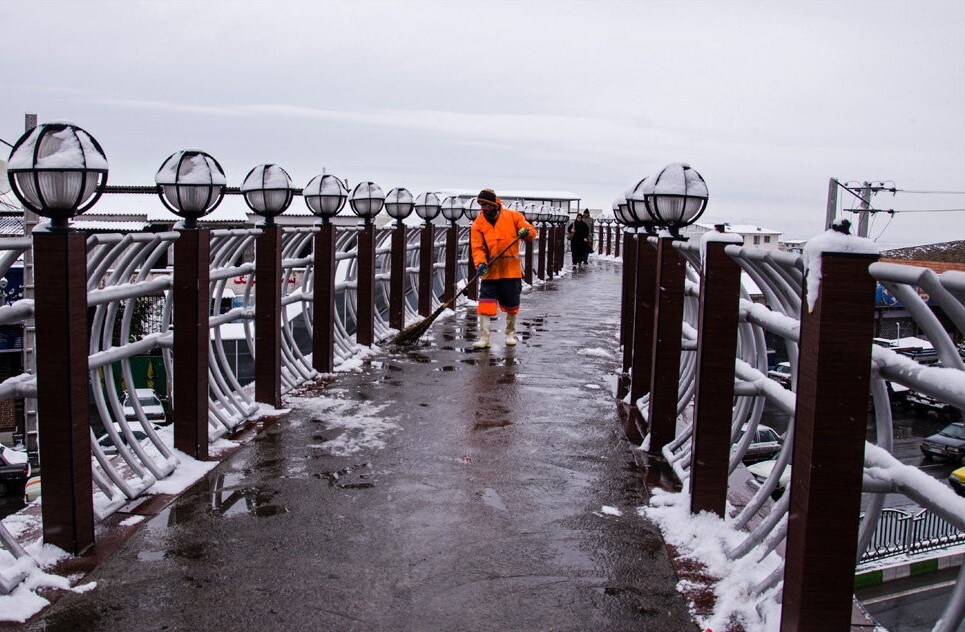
30	435
863	213
832	211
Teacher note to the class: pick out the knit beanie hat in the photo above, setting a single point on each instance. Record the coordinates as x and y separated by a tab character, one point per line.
487	195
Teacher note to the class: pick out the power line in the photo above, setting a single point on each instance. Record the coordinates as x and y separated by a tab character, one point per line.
931	192
892	211
6	143
926	210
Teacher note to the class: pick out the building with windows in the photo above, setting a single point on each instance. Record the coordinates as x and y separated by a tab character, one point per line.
755	236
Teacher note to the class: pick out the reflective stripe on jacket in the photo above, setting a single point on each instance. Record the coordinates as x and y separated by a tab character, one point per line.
487	241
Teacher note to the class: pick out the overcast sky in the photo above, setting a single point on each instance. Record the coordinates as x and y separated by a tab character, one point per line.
767	100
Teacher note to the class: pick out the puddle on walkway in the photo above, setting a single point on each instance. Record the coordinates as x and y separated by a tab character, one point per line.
489	424
491	498
150	556
350	477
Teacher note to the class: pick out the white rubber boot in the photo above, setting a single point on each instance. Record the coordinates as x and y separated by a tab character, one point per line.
484	324
510	329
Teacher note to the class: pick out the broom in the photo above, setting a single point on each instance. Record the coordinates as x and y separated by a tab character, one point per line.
413	332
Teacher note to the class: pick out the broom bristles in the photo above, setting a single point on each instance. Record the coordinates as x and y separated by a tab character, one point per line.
413	332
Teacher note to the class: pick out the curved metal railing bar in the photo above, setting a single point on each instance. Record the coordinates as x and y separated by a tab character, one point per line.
412	251
297	300
118	267
229	405
16	387
780	278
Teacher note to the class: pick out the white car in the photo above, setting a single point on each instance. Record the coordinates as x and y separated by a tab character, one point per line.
765	445
781	374
107	444
150	404
762	470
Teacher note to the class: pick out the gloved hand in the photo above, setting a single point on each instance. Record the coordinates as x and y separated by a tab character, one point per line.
523	233
482	270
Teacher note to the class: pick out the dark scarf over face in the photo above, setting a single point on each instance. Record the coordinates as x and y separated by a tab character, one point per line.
491	213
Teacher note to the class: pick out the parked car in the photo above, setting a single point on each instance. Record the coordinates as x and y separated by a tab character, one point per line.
948	443
150	404
14	470
930	404
765	445
781	373
761	470
107	444
957	480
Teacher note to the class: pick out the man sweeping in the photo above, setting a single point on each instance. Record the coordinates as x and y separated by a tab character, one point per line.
494	229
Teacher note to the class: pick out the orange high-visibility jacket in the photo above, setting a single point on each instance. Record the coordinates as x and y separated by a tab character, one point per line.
487	241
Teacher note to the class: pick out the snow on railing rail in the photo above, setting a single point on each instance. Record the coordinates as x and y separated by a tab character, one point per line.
780	279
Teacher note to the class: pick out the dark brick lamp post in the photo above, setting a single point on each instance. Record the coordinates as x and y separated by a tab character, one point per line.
452	210
58	170
427	206
268	192
191	184
325	196
366	201
471	210
399	204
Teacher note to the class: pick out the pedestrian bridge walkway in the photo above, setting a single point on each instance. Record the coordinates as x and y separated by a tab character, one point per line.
433	488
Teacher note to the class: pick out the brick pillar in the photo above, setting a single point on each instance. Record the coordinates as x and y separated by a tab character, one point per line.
558	248
268	272
365	287
473	292
668	326
541	268
528	258
192	305
599	239
627	303
449	285
426	261
714	399
834	374
616	246
550	252
62	402
323	310
610	229
644	297
397	278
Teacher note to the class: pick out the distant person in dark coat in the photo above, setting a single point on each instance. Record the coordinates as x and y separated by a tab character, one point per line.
579	241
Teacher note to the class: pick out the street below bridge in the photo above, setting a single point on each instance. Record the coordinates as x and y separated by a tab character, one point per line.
431	488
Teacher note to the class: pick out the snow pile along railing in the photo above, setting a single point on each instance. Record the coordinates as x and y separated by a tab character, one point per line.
12	555
815	286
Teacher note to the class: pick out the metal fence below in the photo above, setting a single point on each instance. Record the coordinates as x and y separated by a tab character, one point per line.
901	532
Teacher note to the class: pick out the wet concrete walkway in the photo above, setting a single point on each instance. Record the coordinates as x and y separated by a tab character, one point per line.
435	489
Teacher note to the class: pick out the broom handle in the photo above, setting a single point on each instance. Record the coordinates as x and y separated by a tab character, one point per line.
476	276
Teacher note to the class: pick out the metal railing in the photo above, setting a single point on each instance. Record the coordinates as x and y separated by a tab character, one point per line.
900	532
781	279
129	452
